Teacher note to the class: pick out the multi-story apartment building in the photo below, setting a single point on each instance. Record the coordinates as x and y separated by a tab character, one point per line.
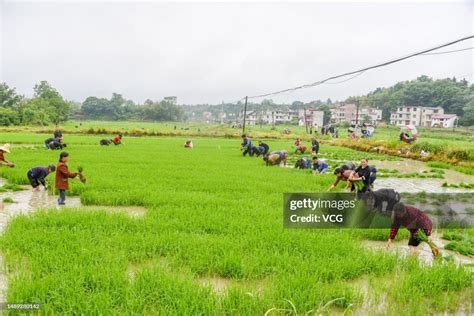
348	113
414	115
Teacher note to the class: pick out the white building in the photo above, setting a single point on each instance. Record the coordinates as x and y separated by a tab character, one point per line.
373	115
414	115
269	117
443	120
313	117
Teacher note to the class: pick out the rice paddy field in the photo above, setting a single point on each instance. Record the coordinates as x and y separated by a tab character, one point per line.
211	241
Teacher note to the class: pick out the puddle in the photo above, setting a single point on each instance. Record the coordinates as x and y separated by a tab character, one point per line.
27	201
218	284
424	251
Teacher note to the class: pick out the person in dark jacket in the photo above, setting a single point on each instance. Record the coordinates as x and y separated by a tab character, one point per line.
58	133
37	176
50	140
105	142
376	199
413	219
55	145
247	145
362	173
303	163
61	182
314	146
266	148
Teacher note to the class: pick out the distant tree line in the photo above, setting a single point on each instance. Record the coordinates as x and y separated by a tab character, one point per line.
119	109
47	106
455	97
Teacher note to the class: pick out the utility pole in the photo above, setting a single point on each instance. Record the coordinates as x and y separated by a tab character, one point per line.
357	113
305	123
273	119
245	115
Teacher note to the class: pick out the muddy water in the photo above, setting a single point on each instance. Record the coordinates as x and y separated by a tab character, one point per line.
424	251
27	201
413	185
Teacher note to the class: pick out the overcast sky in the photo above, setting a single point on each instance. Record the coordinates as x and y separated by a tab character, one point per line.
213	52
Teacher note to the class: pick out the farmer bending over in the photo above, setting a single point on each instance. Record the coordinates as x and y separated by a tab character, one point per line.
188	144
62	177
58	133
303	163
265	147
5	149
117	140
341	175
276	157
314	146
413	219
246	145
319	166
36	176
300	149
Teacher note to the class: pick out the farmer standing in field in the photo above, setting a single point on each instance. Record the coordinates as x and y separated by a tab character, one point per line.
413	219
37	175
62	177
5	149
246	145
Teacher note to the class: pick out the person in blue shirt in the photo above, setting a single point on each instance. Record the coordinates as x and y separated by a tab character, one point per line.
37	175
319	166
246	145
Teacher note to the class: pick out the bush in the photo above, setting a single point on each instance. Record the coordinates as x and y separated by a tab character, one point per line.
429	147
460	154
9	117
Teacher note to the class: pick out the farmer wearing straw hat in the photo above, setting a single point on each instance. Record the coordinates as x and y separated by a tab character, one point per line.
5	149
36	176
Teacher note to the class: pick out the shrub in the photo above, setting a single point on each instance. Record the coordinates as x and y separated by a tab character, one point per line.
460	154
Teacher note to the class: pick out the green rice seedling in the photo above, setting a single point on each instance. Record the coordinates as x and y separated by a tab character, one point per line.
8	200
211	214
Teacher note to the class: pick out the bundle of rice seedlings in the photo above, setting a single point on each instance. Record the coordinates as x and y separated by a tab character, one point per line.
434	248
82	178
359	185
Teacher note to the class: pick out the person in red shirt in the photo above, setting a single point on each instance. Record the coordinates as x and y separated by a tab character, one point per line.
63	174
413	219
117	139
5	149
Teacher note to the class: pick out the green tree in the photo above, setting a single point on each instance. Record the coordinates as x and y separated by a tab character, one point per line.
8	96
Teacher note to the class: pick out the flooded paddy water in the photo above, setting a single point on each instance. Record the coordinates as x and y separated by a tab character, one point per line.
27	201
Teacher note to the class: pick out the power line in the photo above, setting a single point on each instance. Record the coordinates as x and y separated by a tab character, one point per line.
449	51
337	82
363	69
